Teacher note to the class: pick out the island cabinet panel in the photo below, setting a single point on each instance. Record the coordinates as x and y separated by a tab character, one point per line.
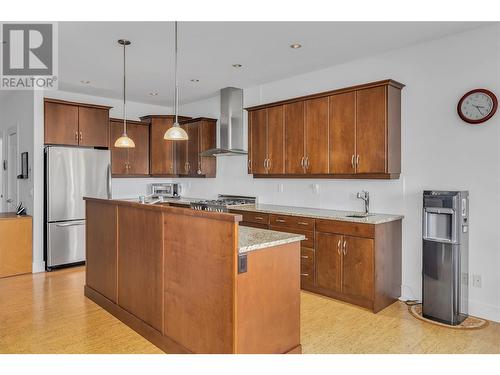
342	127
76	124
329	261
140	264
270	288
161	152
202	137
353	132
371	134
102	249
294	138
15	244
198	295
130	162
316	136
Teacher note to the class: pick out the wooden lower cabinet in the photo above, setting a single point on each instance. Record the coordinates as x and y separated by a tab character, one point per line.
354	262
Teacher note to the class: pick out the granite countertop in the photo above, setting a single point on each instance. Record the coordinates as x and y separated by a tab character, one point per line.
250	239
318	213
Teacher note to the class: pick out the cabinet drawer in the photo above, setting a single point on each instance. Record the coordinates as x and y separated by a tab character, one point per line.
292	221
253	217
306	266
254	225
345	227
308	242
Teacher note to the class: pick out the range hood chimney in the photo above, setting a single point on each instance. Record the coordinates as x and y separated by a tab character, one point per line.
230	126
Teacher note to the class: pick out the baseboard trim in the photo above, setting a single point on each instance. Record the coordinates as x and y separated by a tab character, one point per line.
484	310
38	267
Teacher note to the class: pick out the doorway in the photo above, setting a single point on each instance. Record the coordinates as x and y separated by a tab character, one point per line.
11	168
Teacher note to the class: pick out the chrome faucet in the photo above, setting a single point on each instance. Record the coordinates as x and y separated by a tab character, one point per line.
365	196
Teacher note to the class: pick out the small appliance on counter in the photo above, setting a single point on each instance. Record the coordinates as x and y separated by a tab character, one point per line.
166	190
445	254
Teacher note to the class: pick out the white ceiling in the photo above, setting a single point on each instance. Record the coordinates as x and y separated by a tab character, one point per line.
207	50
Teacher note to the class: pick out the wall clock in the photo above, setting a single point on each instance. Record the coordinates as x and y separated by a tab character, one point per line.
477	106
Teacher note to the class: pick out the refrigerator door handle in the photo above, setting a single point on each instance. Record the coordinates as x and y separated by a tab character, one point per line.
71	224
109	181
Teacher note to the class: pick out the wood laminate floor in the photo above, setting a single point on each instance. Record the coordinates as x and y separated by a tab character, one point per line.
48	313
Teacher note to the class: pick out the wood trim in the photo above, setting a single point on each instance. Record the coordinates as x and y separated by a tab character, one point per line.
196	119
366	303
79	104
388	82
135	122
359	176
148	118
163	342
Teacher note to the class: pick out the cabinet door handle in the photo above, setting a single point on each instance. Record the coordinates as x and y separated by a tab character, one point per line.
249	165
259	218
81	136
307	162
338	246
281	221
76	136
304	256
304	274
357	160
345	247
302	223
302	162
352	160
268	163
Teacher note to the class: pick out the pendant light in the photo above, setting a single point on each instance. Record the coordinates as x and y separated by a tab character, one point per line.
176	133
124	141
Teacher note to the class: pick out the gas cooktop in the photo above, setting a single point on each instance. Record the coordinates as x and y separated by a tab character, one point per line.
222	203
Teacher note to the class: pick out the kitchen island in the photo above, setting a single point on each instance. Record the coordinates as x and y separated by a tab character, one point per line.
194	281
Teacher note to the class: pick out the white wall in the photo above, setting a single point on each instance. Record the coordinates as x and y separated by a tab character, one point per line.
439	151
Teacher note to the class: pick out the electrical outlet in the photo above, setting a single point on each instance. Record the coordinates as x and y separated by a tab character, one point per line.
315	188
476	281
280	188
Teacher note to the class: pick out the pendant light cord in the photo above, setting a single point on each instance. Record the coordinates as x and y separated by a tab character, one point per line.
176	94
124	93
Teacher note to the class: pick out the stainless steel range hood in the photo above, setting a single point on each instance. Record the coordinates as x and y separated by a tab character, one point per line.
230	133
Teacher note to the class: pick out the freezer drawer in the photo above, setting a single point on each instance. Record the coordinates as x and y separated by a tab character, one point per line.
65	242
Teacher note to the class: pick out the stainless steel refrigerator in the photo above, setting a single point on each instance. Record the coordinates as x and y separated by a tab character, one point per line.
445	256
71	173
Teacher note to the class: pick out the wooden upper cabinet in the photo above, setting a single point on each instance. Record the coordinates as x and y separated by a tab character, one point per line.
76	124
259	141
161	152
316	136
371	137
358	267
329	261
202	137
130	161
61	124
276	140
139	155
354	132
342	129
93	124
119	156
208	140
294	138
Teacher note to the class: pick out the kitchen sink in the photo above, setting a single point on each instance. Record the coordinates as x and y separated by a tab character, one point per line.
359	216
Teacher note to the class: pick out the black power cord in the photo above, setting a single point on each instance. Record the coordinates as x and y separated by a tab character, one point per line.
412	302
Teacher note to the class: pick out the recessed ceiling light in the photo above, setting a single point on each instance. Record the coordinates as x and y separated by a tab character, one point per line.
195	80
237	65
295	45
154	93
85	82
